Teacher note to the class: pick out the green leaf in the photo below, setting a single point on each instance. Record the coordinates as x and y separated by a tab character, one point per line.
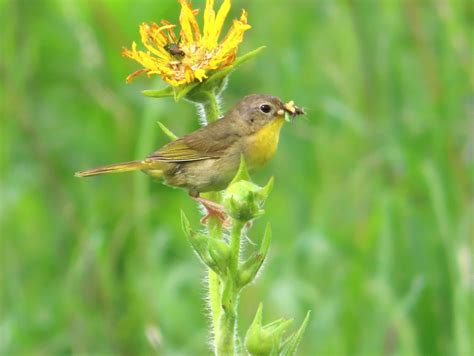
245	57
291	344
161	93
257	320
266	190
167	131
267	236
181	91
242	173
185	225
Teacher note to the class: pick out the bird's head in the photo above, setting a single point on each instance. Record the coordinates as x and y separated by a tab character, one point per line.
257	110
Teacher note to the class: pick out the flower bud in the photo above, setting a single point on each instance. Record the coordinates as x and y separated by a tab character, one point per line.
265	340
249	269
199	243
243	200
219	252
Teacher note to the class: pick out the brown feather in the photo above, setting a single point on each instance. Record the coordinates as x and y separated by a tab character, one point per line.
114	168
209	142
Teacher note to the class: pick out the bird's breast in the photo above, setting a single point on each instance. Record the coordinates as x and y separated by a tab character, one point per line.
262	145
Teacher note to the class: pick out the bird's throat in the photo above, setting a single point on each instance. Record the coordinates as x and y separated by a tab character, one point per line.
263	144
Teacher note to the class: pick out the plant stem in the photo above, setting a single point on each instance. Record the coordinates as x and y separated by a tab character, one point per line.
211	107
225	343
213	282
235	247
211	110
226	332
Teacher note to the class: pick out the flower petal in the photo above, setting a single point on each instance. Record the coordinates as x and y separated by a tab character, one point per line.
209	19
200	74
186	17
219	22
200	53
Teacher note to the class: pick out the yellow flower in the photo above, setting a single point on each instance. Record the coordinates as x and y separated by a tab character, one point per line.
191	56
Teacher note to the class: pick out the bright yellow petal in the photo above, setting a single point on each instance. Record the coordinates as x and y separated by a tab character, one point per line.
202	52
188	75
170	31
185	22
191	16
235	35
158	34
209	18
147	36
200	74
219	22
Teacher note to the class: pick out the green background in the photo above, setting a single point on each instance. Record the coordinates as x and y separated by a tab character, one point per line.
372	209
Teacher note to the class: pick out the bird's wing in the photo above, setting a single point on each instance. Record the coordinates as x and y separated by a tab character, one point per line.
179	151
209	142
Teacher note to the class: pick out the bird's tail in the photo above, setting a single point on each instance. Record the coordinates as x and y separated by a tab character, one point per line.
114	168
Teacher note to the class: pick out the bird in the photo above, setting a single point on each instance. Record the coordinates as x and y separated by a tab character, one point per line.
207	159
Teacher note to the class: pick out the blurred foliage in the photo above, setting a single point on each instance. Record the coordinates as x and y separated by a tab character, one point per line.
372	208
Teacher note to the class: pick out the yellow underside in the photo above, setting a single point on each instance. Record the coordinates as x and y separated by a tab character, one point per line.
263	144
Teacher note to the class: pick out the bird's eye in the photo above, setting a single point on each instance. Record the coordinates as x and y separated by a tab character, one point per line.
265	108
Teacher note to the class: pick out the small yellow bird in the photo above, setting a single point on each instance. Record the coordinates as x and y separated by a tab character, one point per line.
207	159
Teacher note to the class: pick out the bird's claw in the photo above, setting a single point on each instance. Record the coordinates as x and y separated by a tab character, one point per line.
213	209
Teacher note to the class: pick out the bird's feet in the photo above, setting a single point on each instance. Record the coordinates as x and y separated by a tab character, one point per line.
213	210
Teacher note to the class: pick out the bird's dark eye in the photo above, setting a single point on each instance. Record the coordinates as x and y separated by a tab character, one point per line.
265	108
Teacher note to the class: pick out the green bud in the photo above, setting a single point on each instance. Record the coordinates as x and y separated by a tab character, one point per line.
266	339
219	252
199	243
243	200
249	269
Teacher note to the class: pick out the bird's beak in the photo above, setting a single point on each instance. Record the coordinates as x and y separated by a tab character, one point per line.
289	109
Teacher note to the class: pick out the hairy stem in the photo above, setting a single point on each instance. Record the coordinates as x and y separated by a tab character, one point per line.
211	111
211	107
226	332
225	338
213	282
235	247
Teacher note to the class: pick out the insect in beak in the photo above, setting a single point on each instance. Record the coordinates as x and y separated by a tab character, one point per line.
290	110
